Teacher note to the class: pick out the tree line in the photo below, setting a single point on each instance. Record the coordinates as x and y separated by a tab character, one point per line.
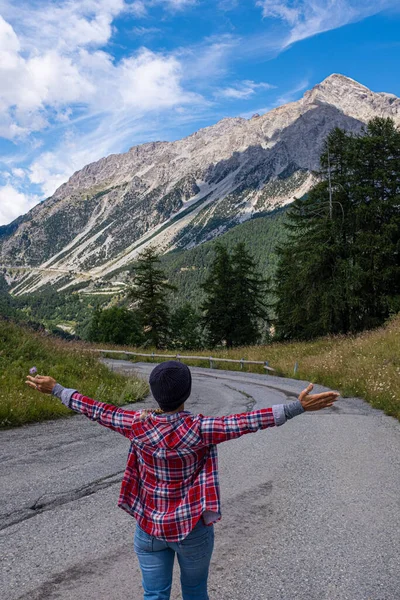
234	311
338	269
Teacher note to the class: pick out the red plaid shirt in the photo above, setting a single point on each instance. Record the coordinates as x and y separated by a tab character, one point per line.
171	477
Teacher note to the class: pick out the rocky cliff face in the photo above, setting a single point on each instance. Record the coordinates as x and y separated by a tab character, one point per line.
179	194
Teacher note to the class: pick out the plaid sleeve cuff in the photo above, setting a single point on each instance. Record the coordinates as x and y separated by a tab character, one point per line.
278	410
283	412
64	394
292	409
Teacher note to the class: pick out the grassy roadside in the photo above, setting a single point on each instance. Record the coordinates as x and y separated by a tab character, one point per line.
367	365
68	363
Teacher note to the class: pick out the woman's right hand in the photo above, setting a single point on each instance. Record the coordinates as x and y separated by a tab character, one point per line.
41	383
317	401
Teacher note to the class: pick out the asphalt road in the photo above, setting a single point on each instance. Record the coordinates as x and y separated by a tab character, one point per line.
311	510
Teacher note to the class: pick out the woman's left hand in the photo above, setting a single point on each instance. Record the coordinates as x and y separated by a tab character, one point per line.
317	401
41	383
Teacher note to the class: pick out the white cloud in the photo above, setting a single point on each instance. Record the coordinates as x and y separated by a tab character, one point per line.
280	10
50	170
19	173
140	8
243	90
55	75
175	4
145	31
9	43
14	203
55	66
137	8
63	25
41	68
307	18
152	81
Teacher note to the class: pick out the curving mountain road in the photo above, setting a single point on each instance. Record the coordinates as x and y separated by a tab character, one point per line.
311	510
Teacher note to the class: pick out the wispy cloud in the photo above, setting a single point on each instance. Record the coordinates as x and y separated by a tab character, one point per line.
140	8
228	5
177	4
243	90
306	18
209	60
290	95
145	31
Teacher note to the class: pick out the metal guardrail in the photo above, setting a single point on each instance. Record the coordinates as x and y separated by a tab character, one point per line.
180	357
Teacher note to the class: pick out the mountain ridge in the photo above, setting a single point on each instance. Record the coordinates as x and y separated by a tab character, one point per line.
179	194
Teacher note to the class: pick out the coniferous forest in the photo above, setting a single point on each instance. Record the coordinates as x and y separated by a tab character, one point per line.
328	264
339	269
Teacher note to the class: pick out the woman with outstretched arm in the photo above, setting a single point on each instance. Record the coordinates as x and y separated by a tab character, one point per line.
170	485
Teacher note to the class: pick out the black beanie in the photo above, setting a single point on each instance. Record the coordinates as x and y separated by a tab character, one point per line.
171	384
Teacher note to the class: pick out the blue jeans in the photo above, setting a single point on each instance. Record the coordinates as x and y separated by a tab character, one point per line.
156	560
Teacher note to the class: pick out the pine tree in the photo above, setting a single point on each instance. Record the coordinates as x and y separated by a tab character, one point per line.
317	278
236	298
150	296
377	201
249	298
218	305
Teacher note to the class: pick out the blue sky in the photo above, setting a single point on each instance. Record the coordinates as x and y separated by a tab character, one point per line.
81	79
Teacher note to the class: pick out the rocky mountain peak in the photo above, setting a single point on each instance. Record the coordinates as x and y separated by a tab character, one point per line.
339	80
353	98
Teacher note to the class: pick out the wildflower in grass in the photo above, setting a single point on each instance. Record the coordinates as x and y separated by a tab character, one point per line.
33	371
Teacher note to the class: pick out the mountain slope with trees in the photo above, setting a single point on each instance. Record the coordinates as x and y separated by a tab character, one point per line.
187	269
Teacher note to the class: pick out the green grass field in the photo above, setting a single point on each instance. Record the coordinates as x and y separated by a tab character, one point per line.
69	363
